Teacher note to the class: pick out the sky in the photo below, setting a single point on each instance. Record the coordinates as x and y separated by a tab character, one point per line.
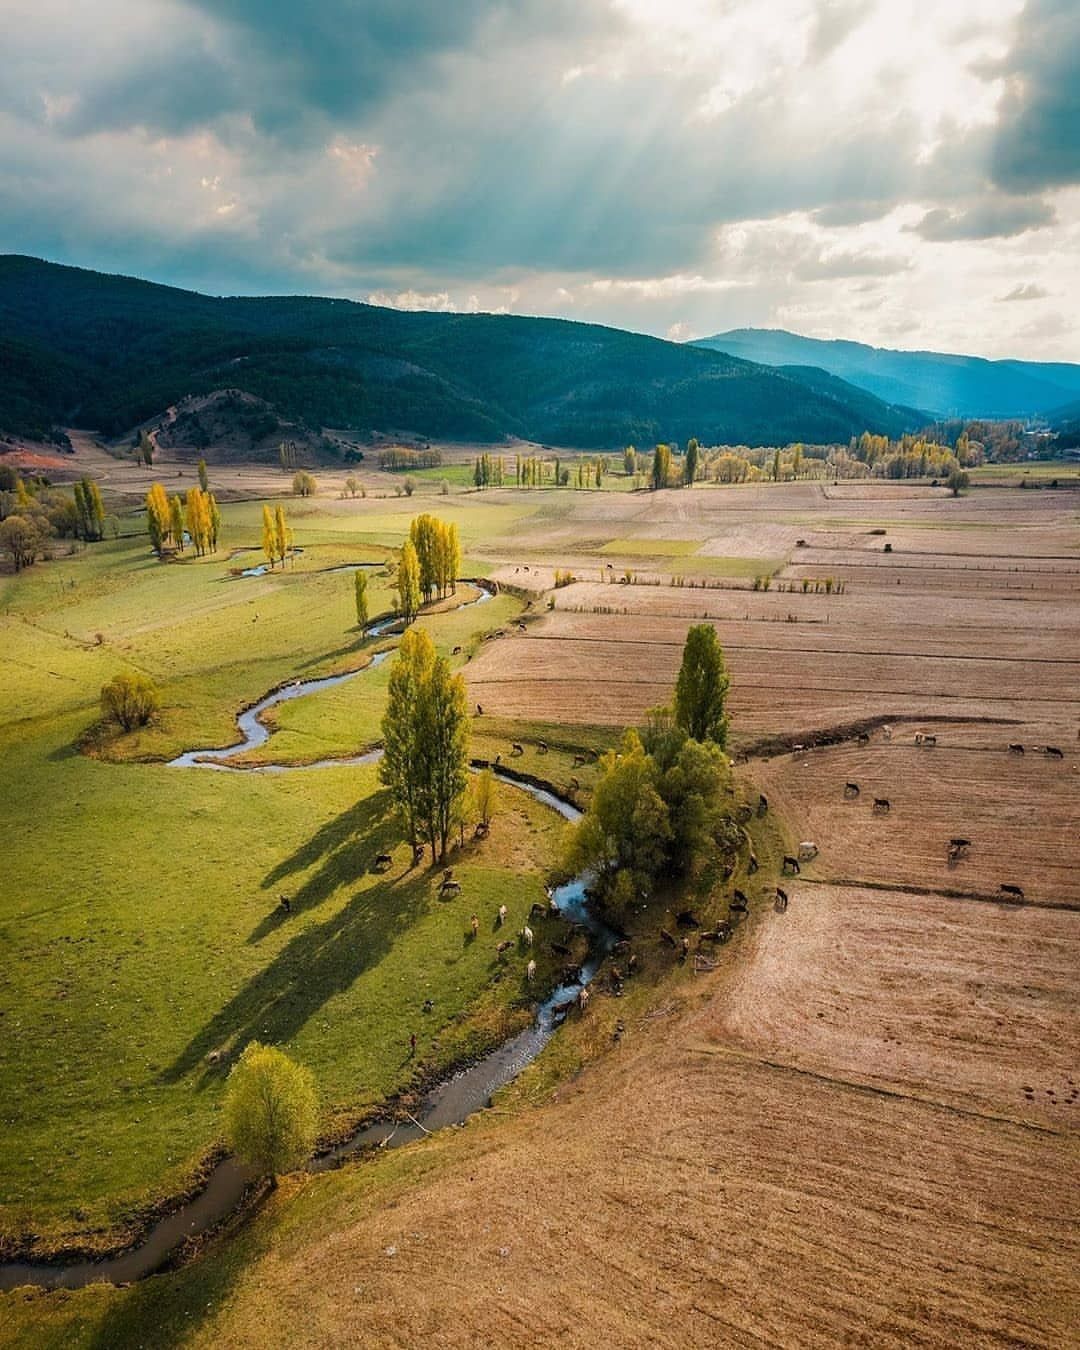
900	172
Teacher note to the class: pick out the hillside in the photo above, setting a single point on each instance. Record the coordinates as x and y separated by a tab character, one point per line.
111	352
944	384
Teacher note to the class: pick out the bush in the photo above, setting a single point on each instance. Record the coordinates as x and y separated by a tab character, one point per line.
271	1110
130	700
303	484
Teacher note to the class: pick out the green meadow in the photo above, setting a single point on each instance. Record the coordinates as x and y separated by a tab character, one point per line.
139	902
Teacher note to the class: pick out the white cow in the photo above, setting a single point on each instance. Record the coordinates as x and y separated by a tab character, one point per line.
807	850
530	971
527	936
502	915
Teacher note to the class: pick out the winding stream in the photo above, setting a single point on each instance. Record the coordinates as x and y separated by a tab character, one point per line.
448	1103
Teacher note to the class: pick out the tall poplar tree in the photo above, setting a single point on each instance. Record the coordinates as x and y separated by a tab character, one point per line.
690	464
408	582
269	542
702	686
281	533
361	600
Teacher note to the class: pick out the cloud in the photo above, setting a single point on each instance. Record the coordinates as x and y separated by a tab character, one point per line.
1038	139
1027	290
989	219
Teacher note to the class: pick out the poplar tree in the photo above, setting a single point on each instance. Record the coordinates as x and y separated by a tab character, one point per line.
157	516
281	534
204	481
361	600
661	467
397	768
215	520
176	522
269	543
690	464
408	583
702	686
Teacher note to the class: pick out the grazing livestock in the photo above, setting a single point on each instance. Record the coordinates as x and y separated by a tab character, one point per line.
559	949
687	919
449	888
781	900
583	998
739	904
631	964
579	760
479	710
720	934
530	971
863	738
808	850
474	923
285	903
762	804
501	919
1054	752
456	651
851	789
684	951
1015	748
522	628
504	947
417	854
665	936
1014	891
498	759
752	864
574	784
383	861
541	747
571	974
538	911
517	748
882	804
791	865
886	733
527	936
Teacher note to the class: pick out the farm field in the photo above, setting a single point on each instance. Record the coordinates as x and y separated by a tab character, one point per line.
855	1127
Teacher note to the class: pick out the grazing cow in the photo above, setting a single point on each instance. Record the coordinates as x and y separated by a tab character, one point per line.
504	947
383	861
1014	891
863	738
886	733
479	710
739	904
808	850
502	915
781	900
959	843
791	865
882	804
929	740
687	919
579	760
498	759
762	804
530	971
571	974
851	789
583	998
720	934
1054	752
417	854
456	651
918	738
474	923
449	888
752	864
285	903
538	911
631	963
574	784
517	749
522	628
684	950
542	747
1015	748
665	936
527	936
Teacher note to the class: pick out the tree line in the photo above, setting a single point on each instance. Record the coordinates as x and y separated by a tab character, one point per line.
174	522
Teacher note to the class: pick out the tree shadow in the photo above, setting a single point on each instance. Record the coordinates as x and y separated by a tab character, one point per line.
320	961
346	846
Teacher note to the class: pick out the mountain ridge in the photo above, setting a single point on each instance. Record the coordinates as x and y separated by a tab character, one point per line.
116	351
945	384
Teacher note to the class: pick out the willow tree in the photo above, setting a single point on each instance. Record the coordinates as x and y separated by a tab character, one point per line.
701	687
271	1110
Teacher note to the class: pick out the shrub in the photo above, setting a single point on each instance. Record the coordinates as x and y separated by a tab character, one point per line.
303	484
130	700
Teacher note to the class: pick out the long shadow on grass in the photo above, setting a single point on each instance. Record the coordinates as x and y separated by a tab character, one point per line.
343	849
320	961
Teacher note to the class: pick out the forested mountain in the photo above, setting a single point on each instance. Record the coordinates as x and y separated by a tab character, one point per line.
943	384
108	352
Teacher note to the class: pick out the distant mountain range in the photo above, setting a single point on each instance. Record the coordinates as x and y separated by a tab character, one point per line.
107	352
942	384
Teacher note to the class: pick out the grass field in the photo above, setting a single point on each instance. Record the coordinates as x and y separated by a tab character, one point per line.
138	912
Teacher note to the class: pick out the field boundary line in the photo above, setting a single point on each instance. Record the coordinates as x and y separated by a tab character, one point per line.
872	1089
944	893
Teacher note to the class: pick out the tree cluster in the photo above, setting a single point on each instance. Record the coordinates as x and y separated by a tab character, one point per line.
397	457
438	555
130	700
658	808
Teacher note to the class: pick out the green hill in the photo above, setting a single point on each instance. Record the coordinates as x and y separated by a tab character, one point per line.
109	352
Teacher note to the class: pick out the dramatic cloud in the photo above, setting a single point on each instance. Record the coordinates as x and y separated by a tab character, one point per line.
673	165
